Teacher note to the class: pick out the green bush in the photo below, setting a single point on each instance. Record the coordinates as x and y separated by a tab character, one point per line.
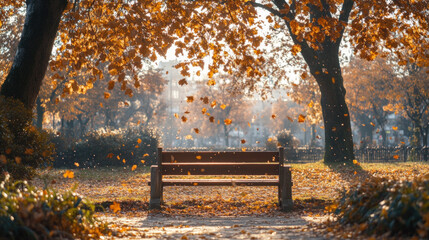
109	149
380	205
22	147
30	213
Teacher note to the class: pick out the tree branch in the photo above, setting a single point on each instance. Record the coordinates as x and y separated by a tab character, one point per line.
344	17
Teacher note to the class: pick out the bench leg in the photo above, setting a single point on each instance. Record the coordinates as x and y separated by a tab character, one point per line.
155	188
285	186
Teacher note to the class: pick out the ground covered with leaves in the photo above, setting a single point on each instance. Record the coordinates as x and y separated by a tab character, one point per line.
122	194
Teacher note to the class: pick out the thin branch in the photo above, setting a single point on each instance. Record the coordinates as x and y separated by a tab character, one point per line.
344	17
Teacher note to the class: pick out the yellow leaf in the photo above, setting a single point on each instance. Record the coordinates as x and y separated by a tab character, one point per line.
355	162
204	110
311	104
133	167
76	164
176	115
189	137
211	82
227	121
223	106
243	149
142	161
269	139
68	174
115	207
296	49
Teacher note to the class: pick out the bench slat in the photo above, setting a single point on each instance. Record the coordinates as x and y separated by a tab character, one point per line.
219	182
220	169
178	157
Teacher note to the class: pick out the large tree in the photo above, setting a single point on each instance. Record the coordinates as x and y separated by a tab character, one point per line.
126	33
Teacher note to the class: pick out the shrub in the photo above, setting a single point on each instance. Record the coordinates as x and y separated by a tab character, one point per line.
110	149
379	205
30	213
22	146
286	139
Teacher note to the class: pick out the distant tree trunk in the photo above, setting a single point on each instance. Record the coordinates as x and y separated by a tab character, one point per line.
34	50
40	113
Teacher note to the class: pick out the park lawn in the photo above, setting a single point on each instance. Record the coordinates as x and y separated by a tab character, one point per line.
315	185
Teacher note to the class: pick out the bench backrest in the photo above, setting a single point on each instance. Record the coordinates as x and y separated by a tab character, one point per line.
219	163
219	157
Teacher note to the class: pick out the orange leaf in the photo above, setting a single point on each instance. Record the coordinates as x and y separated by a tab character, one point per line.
197	130
183	82
110	155
243	141
273	116
111	85
223	106
395	128
198	157
227	121
18	160
76	164
133	167
68	174
176	115
106	95
189	99
184	119
146	155
301	118
29	151
396	156
115	207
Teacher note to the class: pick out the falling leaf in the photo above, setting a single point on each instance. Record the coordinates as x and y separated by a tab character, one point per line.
106	95
269	139
115	207
290	119
142	161
396	156
76	164
184	119
101	104
394	128
248	124
243	149
183	82
139	141
273	116
301	118
205	100
189	99
372	124
110	155
68	174
197	130
124	161
333	80
176	115
198	157
213	104
243	141
211	82
355	162
223	106
345	115
311	104
227	121
134	167
211	119
146	155
189	137
18	160
204	110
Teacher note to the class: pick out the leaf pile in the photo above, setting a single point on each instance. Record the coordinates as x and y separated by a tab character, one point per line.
30	213
381	205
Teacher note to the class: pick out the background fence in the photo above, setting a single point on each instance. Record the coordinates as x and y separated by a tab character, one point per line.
380	154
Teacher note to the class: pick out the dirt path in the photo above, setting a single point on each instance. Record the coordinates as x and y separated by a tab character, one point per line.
243	227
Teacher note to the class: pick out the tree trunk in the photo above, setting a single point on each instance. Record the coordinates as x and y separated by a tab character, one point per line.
34	50
336	117
40	113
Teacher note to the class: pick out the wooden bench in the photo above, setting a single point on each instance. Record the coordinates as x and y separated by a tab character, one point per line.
221	163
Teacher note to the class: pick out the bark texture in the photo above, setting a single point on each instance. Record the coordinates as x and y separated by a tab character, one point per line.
34	50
